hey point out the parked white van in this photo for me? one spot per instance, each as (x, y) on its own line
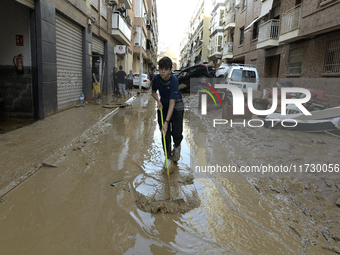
(242, 76)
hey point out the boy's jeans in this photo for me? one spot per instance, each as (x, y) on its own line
(121, 87)
(175, 128)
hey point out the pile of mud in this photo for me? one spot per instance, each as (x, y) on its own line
(151, 192)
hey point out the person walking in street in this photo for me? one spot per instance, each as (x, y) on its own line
(121, 81)
(130, 77)
(171, 104)
(95, 81)
(114, 81)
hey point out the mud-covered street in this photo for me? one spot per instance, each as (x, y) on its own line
(80, 194)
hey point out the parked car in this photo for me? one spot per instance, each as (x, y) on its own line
(145, 81)
(198, 71)
(222, 70)
(242, 76)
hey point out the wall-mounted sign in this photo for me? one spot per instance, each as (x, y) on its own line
(19, 40)
(121, 49)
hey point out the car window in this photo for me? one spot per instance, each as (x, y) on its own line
(211, 69)
(236, 74)
(249, 76)
(182, 74)
(136, 75)
(244, 75)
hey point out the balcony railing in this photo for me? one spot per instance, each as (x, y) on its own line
(228, 48)
(229, 18)
(269, 30)
(291, 19)
(119, 23)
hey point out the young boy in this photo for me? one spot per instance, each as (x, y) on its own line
(171, 104)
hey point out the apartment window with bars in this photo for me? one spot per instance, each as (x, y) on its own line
(241, 35)
(256, 28)
(295, 61)
(332, 61)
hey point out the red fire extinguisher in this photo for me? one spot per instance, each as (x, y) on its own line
(18, 63)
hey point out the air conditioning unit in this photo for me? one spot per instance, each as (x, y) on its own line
(113, 2)
(134, 30)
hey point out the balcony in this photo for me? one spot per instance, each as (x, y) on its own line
(269, 34)
(229, 21)
(290, 24)
(215, 52)
(120, 29)
(228, 50)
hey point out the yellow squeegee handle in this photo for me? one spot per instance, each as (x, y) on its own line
(166, 154)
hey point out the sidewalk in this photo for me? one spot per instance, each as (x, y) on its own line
(24, 150)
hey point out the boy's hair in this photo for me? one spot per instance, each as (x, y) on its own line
(120, 68)
(165, 62)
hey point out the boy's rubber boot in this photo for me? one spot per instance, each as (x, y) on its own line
(176, 153)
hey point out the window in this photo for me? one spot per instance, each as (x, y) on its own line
(244, 4)
(256, 28)
(219, 44)
(295, 61)
(332, 61)
(241, 35)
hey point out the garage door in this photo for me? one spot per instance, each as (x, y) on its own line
(69, 62)
(97, 45)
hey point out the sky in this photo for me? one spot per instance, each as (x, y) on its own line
(173, 19)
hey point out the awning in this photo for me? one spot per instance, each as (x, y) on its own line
(265, 9)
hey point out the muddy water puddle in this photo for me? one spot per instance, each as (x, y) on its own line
(73, 209)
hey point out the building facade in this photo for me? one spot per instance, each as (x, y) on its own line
(193, 46)
(282, 38)
(49, 47)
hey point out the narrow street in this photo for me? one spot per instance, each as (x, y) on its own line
(68, 205)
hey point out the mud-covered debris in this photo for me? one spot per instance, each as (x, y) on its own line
(48, 165)
(338, 202)
(115, 183)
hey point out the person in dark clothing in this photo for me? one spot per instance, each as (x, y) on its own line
(121, 81)
(114, 81)
(130, 77)
(171, 104)
(122, 11)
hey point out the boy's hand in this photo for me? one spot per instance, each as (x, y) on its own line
(159, 105)
(165, 127)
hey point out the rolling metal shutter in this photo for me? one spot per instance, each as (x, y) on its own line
(97, 45)
(69, 62)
